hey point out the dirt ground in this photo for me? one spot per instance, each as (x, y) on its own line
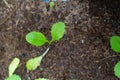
(82, 54)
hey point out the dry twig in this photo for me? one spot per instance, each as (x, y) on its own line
(6, 3)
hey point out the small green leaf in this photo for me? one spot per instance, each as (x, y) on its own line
(115, 43)
(33, 63)
(117, 70)
(51, 4)
(57, 31)
(36, 38)
(14, 77)
(13, 65)
(41, 79)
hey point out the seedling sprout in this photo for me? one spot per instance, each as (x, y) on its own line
(12, 67)
(51, 4)
(38, 39)
(115, 45)
(117, 69)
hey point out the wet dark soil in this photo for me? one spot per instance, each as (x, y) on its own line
(82, 54)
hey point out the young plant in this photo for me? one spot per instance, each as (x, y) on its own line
(38, 39)
(115, 45)
(11, 69)
(117, 69)
(51, 4)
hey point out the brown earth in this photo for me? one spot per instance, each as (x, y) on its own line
(82, 54)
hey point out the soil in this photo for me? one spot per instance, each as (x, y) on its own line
(82, 54)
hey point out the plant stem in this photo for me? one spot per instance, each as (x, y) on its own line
(50, 41)
(45, 52)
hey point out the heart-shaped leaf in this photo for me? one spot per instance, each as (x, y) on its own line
(117, 70)
(115, 43)
(14, 77)
(36, 38)
(57, 31)
(13, 65)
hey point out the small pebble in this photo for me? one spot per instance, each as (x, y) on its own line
(82, 41)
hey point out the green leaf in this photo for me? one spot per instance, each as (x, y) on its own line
(13, 65)
(36, 38)
(14, 77)
(41, 79)
(33, 63)
(51, 4)
(57, 31)
(117, 70)
(115, 43)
